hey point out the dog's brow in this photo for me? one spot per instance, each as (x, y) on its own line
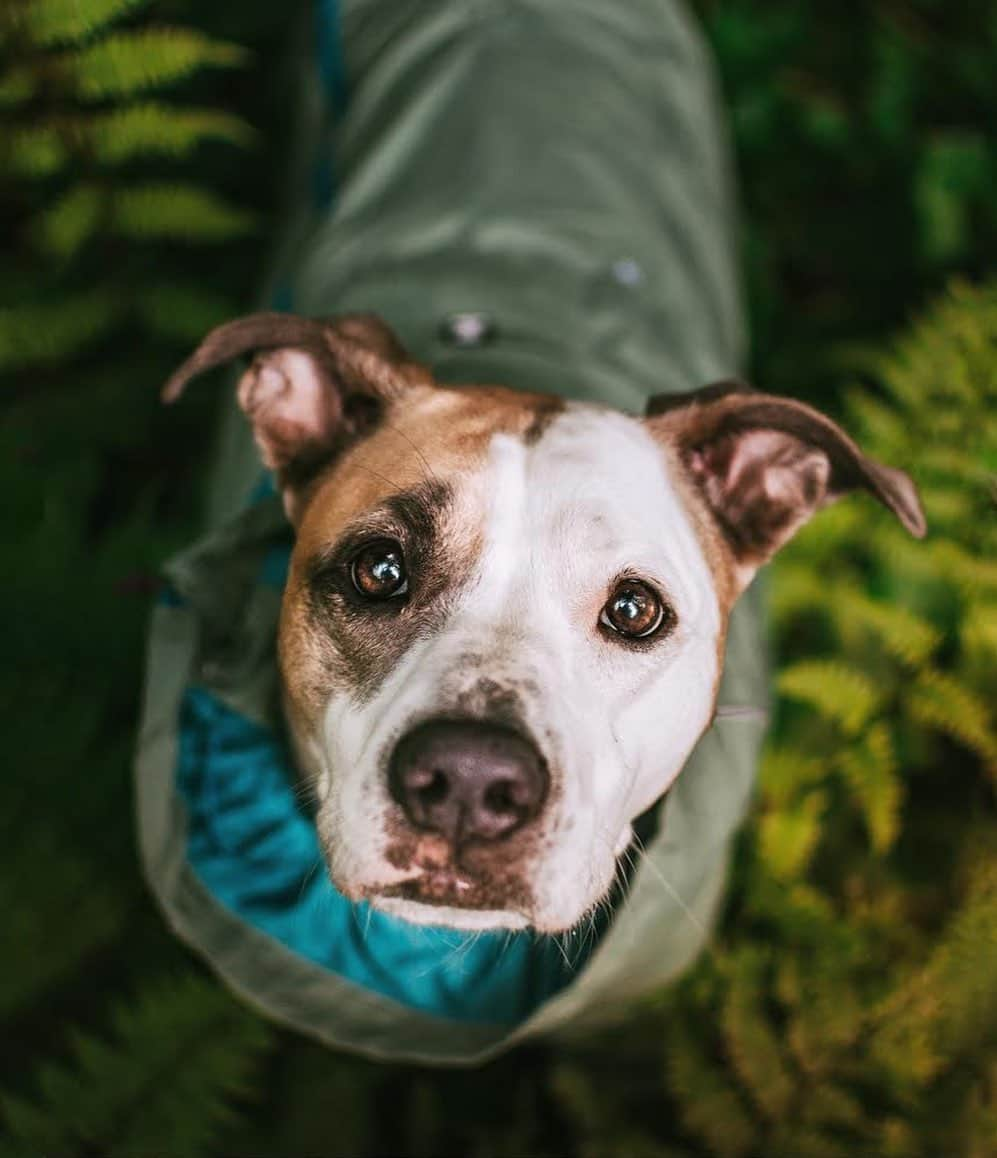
(416, 513)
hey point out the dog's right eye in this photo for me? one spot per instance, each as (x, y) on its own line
(378, 570)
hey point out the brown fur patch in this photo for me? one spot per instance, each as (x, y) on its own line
(424, 451)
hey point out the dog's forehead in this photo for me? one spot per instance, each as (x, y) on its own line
(600, 494)
(434, 434)
(536, 472)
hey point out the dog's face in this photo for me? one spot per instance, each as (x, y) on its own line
(503, 628)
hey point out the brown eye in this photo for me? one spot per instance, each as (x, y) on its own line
(378, 570)
(633, 610)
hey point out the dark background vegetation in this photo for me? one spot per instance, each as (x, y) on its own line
(864, 136)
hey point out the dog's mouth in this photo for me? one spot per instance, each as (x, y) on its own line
(445, 889)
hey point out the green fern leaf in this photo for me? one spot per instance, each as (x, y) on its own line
(36, 152)
(17, 87)
(64, 227)
(787, 770)
(796, 588)
(792, 1141)
(980, 1115)
(904, 634)
(941, 702)
(839, 692)
(751, 1041)
(183, 312)
(38, 335)
(788, 836)
(979, 635)
(64, 21)
(85, 907)
(832, 1105)
(951, 1004)
(127, 63)
(869, 766)
(120, 135)
(158, 130)
(116, 1100)
(710, 1108)
(176, 212)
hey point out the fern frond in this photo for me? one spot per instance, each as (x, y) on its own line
(882, 423)
(151, 129)
(788, 836)
(821, 541)
(904, 635)
(951, 1003)
(112, 138)
(939, 701)
(978, 635)
(36, 152)
(787, 770)
(710, 1108)
(832, 1105)
(46, 22)
(161, 1085)
(980, 1115)
(939, 560)
(869, 766)
(64, 227)
(796, 588)
(176, 212)
(754, 1049)
(181, 311)
(945, 506)
(127, 63)
(79, 901)
(839, 692)
(38, 335)
(17, 86)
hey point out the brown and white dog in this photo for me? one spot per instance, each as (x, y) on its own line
(504, 624)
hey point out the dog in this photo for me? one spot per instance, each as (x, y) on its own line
(504, 625)
(520, 652)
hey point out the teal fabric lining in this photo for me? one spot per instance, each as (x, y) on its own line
(254, 847)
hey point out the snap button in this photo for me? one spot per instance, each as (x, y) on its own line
(470, 328)
(627, 271)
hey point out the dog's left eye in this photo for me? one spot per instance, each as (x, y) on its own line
(378, 570)
(634, 610)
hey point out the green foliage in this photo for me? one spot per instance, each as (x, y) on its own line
(64, 21)
(892, 1036)
(177, 1042)
(72, 131)
(848, 1005)
(40, 333)
(97, 303)
(118, 136)
(126, 63)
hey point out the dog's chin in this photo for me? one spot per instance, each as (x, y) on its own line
(450, 917)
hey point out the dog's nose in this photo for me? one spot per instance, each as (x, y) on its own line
(467, 779)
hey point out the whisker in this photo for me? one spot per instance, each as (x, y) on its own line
(670, 888)
(430, 473)
(377, 474)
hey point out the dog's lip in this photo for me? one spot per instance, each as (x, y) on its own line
(445, 888)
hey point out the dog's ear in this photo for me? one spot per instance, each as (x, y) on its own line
(312, 387)
(765, 464)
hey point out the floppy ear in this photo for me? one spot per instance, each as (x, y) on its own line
(313, 386)
(765, 464)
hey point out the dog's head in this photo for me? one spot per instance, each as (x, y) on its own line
(504, 623)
